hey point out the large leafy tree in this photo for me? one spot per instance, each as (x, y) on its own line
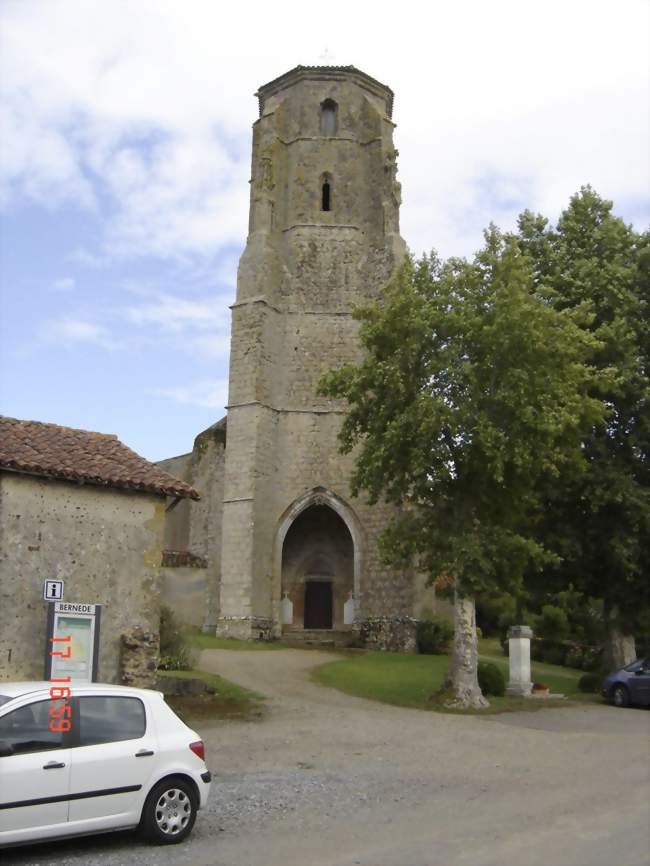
(600, 522)
(472, 389)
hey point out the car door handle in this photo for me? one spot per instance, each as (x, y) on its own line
(144, 753)
(53, 765)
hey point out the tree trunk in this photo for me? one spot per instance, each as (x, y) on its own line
(620, 648)
(462, 677)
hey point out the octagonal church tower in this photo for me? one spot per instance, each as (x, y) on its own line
(298, 553)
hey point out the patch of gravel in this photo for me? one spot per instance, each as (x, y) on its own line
(258, 798)
(237, 804)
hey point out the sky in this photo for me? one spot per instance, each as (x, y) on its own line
(125, 136)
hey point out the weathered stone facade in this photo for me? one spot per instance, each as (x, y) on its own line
(323, 237)
(105, 543)
(195, 526)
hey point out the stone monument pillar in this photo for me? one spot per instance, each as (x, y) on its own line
(520, 682)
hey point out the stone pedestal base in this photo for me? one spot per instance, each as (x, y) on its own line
(520, 690)
(520, 682)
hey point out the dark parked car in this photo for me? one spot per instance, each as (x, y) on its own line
(630, 685)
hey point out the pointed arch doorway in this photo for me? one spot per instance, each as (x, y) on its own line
(319, 559)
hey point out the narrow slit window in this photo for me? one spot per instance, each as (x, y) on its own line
(328, 111)
(325, 204)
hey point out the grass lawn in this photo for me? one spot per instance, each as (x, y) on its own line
(404, 679)
(211, 641)
(411, 680)
(225, 700)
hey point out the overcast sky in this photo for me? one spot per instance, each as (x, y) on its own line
(125, 159)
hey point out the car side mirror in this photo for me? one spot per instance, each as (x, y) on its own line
(5, 749)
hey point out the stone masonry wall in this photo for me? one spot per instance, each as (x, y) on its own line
(184, 590)
(197, 527)
(105, 543)
(139, 656)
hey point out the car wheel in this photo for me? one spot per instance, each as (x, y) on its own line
(169, 812)
(620, 696)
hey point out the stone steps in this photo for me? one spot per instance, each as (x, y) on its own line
(325, 637)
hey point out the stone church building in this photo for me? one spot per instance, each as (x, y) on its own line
(276, 544)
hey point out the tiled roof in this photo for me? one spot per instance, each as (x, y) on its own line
(82, 456)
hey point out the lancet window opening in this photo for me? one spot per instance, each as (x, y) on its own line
(328, 117)
(326, 193)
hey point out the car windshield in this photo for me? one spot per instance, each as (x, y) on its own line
(4, 699)
(635, 666)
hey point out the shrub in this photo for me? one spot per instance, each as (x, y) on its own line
(552, 623)
(536, 650)
(592, 659)
(495, 611)
(491, 680)
(176, 652)
(434, 635)
(553, 655)
(589, 683)
(181, 662)
(575, 658)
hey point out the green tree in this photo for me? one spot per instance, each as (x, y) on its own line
(599, 522)
(471, 389)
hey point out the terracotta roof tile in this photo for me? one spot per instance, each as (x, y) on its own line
(82, 456)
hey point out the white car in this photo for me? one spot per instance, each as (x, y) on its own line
(126, 760)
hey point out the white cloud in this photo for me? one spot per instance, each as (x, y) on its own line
(143, 110)
(64, 284)
(37, 161)
(69, 331)
(176, 314)
(207, 394)
(81, 256)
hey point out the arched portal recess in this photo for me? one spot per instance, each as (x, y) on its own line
(318, 568)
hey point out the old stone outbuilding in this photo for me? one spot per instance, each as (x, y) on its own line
(282, 546)
(82, 507)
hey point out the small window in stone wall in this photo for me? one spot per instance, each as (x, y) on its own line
(328, 118)
(326, 193)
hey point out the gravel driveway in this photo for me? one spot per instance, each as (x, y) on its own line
(330, 780)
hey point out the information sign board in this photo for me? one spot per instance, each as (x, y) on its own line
(72, 645)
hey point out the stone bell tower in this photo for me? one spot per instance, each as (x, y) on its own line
(297, 551)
